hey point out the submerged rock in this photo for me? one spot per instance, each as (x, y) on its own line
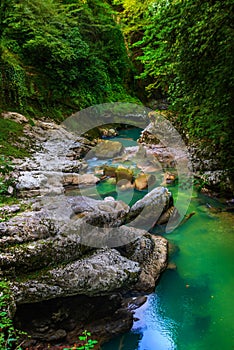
(125, 185)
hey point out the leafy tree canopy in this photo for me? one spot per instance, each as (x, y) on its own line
(187, 52)
(60, 54)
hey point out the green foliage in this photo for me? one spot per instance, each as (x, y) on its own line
(5, 179)
(132, 16)
(10, 143)
(187, 52)
(60, 55)
(86, 343)
(9, 336)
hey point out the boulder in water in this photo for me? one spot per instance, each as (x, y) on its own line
(125, 185)
(146, 212)
(109, 171)
(123, 173)
(100, 213)
(143, 181)
(107, 150)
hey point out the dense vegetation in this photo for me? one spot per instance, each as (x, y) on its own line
(185, 50)
(57, 56)
(60, 56)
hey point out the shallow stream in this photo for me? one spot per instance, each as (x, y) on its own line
(192, 306)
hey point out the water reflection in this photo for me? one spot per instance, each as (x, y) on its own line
(156, 329)
(192, 306)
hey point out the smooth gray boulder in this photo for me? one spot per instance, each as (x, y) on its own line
(100, 213)
(146, 212)
(106, 150)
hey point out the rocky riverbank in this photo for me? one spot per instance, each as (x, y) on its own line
(73, 262)
(207, 171)
(76, 262)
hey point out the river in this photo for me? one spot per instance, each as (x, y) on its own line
(192, 306)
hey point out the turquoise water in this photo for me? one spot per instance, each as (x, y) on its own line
(128, 137)
(192, 307)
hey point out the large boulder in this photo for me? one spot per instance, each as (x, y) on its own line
(144, 181)
(26, 227)
(107, 150)
(151, 253)
(100, 213)
(38, 254)
(51, 263)
(146, 212)
(102, 272)
(123, 173)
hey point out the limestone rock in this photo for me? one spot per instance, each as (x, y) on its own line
(154, 266)
(125, 185)
(26, 227)
(107, 150)
(146, 212)
(144, 181)
(123, 173)
(35, 255)
(169, 178)
(82, 180)
(171, 212)
(104, 316)
(109, 170)
(149, 135)
(16, 117)
(102, 272)
(151, 253)
(100, 213)
(108, 132)
(30, 180)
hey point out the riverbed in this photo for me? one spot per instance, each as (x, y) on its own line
(192, 306)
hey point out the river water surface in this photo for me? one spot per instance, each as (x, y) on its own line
(192, 306)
